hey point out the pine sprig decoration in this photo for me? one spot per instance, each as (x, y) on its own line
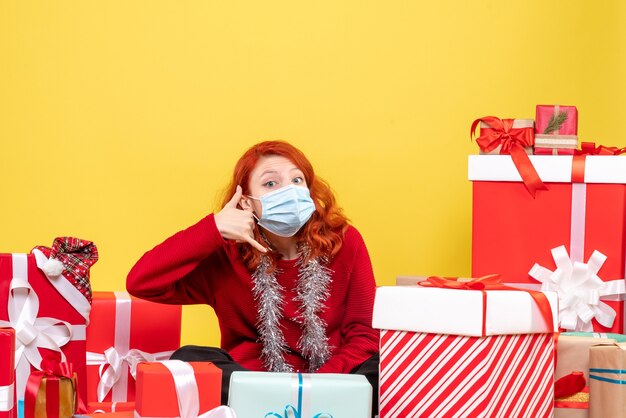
(555, 122)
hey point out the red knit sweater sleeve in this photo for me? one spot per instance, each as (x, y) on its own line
(359, 339)
(174, 271)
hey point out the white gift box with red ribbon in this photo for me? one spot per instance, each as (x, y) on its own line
(454, 352)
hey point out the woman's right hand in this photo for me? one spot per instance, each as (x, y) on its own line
(237, 224)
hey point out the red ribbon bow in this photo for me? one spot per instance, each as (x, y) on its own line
(492, 282)
(512, 142)
(589, 148)
(53, 372)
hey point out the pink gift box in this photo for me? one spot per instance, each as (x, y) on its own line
(545, 113)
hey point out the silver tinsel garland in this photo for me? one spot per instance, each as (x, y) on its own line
(312, 291)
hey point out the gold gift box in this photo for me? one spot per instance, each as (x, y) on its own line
(51, 387)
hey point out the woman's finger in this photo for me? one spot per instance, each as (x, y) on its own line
(255, 244)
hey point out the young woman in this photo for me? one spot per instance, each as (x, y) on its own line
(290, 280)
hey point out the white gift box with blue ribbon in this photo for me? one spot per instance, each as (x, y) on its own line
(299, 395)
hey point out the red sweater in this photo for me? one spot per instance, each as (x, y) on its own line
(197, 265)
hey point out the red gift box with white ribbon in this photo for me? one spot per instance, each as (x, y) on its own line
(49, 314)
(175, 388)
(123, 332)
(8, 403)
(570, 238)
(464, 351)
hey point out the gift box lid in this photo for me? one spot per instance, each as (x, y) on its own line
(459, 312)
(551, 168)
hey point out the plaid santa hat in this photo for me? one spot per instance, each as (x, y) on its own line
(72, 258)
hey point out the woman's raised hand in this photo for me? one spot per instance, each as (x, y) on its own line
(237, 224)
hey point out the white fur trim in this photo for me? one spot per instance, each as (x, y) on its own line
(53, 268)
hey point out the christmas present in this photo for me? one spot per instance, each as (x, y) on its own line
(164, 387)
(8, 405)
(573, 353)
(572, 357)
(510, 136)
(109, 407)
(607, 386)
(556, 125)
(123, 332)
(571, 238)
(493, 133)
(52, 392)
(264, 394)
(46, 297)
(466, 349)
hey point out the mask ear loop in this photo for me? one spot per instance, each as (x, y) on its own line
(265, 240)
(254, 214)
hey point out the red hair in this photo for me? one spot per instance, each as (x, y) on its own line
(323, 232)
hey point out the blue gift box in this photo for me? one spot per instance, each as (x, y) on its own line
(300, 395)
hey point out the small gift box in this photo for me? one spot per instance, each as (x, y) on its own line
(165, 386)
(500, 136)
(8, 404)
(555, 121)
(124, 331)
(52, 392)
(521, 130)
(472, 348)
(573, 352)
(573, 357)
(556, 130)
(263, 394)
(607, 385)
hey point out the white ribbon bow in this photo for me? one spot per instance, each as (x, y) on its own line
(111, 366)
(580, 290)
(31, 332)
(187, 393)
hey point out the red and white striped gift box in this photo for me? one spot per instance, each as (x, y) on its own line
(436, 375)
(464, 353)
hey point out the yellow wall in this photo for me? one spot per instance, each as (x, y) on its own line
(121, 120)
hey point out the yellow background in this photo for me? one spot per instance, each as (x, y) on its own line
(120, 121)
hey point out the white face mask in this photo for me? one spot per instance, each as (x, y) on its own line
(286, 210)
